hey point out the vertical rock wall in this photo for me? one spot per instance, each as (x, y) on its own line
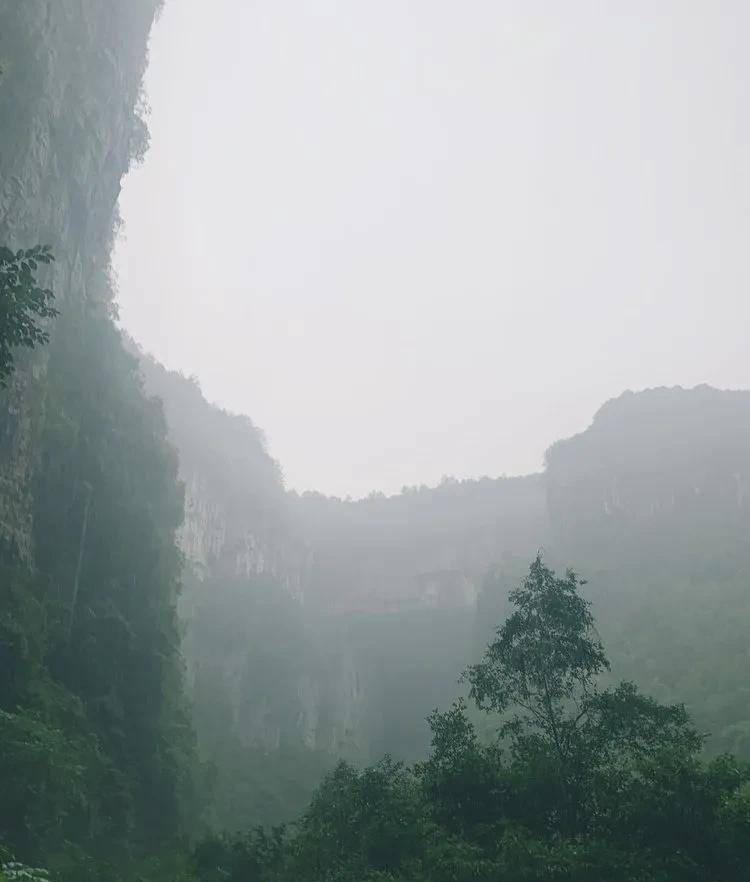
(70, 80)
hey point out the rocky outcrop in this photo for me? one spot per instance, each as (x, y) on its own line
(237, 519)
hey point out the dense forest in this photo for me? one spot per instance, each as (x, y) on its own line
(206, 677)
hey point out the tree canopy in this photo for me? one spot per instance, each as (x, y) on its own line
(580, 782)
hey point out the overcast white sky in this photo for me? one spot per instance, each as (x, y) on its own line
(412, 238)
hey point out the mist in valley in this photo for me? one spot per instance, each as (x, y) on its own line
(374, 442)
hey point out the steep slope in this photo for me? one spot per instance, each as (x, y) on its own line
(236, 514)
(70, 80)
(95, 733)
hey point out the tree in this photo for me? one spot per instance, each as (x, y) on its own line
(23, 304)
(544, 661)
(573, 739)
(582, 784)
(13, 871)
(358, 821)
(465, 782)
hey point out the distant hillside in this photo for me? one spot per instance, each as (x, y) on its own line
(665, 470)
(648, 503)
(424, 547)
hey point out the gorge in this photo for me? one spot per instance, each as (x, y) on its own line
(186, 644)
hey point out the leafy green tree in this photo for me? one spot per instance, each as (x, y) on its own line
(599, 782)
(582, 783)
(257, 856)
(44, 775)
(465, 782)
(359, 821)
(23, 304)
(12, 870)
(566, 734)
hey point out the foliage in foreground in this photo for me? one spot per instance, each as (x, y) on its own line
(23, 304)
(580, 784)
(12, 870)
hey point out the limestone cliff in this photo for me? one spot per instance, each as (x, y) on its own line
(89, 497)
(70, 80)
(655, 472)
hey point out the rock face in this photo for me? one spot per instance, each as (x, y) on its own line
(664, 466)
(344, 577)
(237, 522)
(388, 595)
(89, 498)
(70, 80)
(384, 586)
(426, 548)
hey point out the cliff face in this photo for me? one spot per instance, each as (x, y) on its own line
(89, 497)
(657, 480)
(237, 521)
(301, 613)
(663, 472)
(70, 78)
(269, 671)
(428, 548)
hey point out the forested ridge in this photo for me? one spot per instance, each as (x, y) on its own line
(205, 677)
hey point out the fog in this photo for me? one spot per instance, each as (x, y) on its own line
(421, 238)
(372, 246)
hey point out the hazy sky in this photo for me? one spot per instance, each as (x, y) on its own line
(412, 238)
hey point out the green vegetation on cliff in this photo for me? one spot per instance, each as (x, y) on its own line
(97, 744)
(315, 629)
